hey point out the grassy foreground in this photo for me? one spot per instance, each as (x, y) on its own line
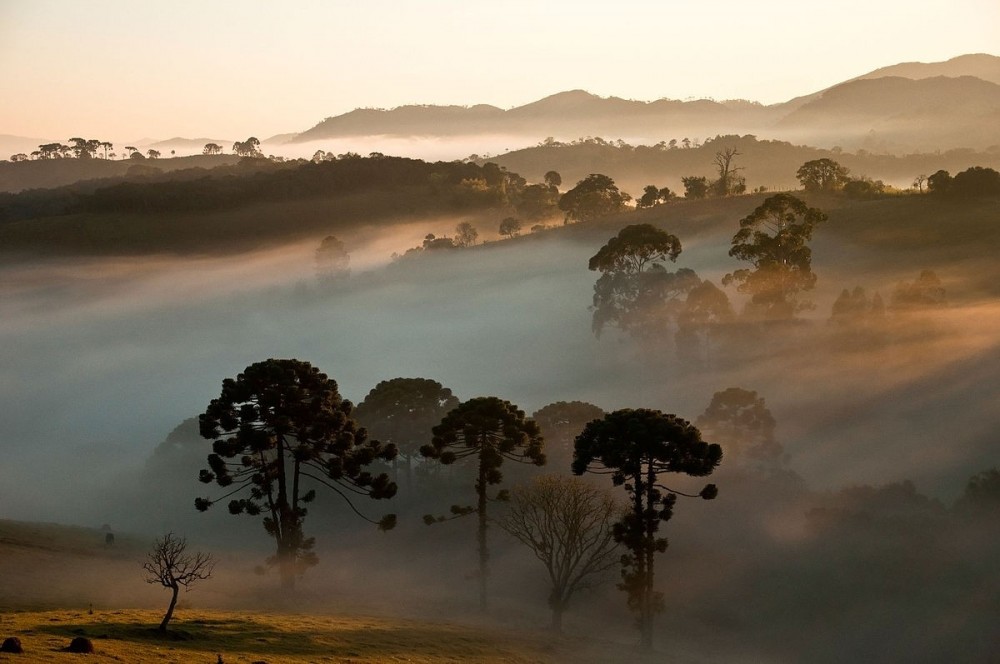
(201, 636)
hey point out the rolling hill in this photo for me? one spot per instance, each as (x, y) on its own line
(898, 108)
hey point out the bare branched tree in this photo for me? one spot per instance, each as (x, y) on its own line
(569, 525)
(170, 565)
(729, 181)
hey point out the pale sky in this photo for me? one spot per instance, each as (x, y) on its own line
(125, 69)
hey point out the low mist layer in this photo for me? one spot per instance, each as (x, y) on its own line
(103, 358)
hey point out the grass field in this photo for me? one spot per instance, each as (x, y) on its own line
(201, 636)
(56, 586)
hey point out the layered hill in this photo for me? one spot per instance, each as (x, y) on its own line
(901, 108)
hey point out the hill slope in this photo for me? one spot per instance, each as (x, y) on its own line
(828, 117)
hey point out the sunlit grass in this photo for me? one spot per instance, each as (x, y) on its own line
(201, 636)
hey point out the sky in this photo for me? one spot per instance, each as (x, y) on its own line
(125, 70)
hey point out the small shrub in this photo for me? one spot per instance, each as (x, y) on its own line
(12, 644)
(81, 644)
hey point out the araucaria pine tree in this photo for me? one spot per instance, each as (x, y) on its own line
(281, 429)
(490, 430)
(636, 447)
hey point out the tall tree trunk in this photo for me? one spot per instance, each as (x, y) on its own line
(170, 609)
(286, 566)
(484, 554)
(557, 616)
(649, 550)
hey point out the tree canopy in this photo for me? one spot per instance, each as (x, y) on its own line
(635, 291)
(594, 196)
(569, 526)
(742, 424)
(510, 227)
(822, 175)
(466, 234)
(333, 262)
(695, 186)
(280, 429)
(403, 411)
(560, 423)
(774, 240)
(970, 183)
(706, 312)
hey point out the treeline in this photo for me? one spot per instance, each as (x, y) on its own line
(461, 184)
(771, 163)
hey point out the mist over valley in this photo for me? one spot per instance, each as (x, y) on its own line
(751, 347)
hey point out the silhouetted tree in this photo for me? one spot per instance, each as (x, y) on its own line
(510, 227)
(695, 187)
(705, 311)
(822, 175)
(153, 154)
(982, 494)
(333, 262)
(107, 146)
(857, 318)
(863, 187)
(651, 196)
(635, 290)
(594, 196)
(53, 150)
(918, 182)
(84, 148)
(537, 201)
(773, 239)
(20, 156)
(924, 292)
(466, 234)
(939, 182)
(852, 307)
(553, 179)
(730, 182)
(277, 427)
(489, 430)
(170, 565)
(402, 411)
(560, 423)
(248, 148)
(636, 447)
(212, 148)
(976, 181)
(738, 420)
(569, 526)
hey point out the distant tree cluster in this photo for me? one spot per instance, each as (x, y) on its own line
(80, 148)
(281, 433)
(248, 148)
(233, 187)
(970, 183)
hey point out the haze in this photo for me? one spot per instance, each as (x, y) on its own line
(135, 280)
(233, 69)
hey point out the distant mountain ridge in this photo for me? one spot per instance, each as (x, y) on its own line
(908, 106)
(980, 65)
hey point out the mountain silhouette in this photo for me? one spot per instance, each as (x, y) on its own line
(907, 106)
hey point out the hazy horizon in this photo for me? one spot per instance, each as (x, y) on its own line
(236, 70)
